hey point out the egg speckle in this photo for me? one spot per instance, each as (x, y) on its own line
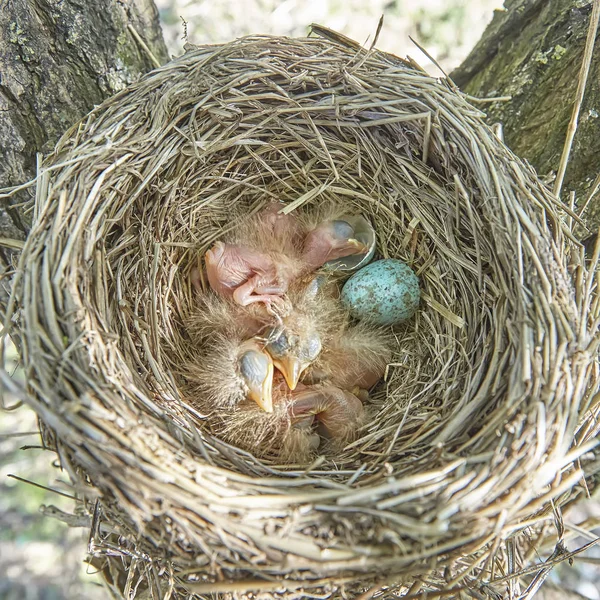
(385, 292)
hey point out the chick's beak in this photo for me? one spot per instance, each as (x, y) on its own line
(262, 391)
(292, 369)
(256, 371)
(358, 246)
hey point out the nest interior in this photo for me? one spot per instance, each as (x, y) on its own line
(488, 404)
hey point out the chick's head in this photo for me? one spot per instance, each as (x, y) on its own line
(293, 351)
(331, 240)
(232, 373)
(313, 317)
(255, 372)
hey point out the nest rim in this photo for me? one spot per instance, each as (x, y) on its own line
(549, 358)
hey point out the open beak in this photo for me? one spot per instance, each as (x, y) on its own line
(262, 393)
(292, 369)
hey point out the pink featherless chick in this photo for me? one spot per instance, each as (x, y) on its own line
(330, 240)
(272, 250)
(259, 261)
(246, 275)
(230, 364)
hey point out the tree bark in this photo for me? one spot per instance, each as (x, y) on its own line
(532, 51)
(58, 59)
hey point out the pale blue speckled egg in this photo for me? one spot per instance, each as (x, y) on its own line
(385, 292)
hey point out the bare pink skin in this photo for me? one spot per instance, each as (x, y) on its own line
(347, 381)
(283, 226)
(339, 412)
(322, 245)
(196, 280)
(249, 275)
(366, 380)
(245, 274)
(282, 393)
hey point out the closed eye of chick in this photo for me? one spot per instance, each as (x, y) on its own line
(331, 240)
(232, 371)
(331, 235)
(312, 318)
(292, 354)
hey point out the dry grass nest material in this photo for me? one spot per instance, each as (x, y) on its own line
(488, 411)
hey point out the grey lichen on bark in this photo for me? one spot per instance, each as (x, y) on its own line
(58, 59)
(532, 51)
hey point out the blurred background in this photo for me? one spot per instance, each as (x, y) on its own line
(448, 29)
(41, 558)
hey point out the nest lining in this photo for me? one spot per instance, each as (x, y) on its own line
(489, 400)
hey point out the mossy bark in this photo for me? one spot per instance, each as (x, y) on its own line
(57, 61)
(532, 51)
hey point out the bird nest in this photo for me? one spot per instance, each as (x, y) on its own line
(484, 423)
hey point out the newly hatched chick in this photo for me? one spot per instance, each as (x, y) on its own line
(330, 236)
(258, 261)
(339, 413)
(233, 383)
(233, 366)
(276, 435)
(330, 240)
(289, 432)
(271, 250)
(301, 340)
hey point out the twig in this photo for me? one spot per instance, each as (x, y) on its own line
(593, 191)
(435, 62)
(143, 45)
(43, 487)
(583, 75)
(12, 243)
(18, 434)
(489, 99)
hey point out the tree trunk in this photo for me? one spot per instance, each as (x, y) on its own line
(532, 51)
(58, 60)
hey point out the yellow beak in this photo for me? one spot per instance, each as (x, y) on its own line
(263, 394)
(362, 248)
(292, 369)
